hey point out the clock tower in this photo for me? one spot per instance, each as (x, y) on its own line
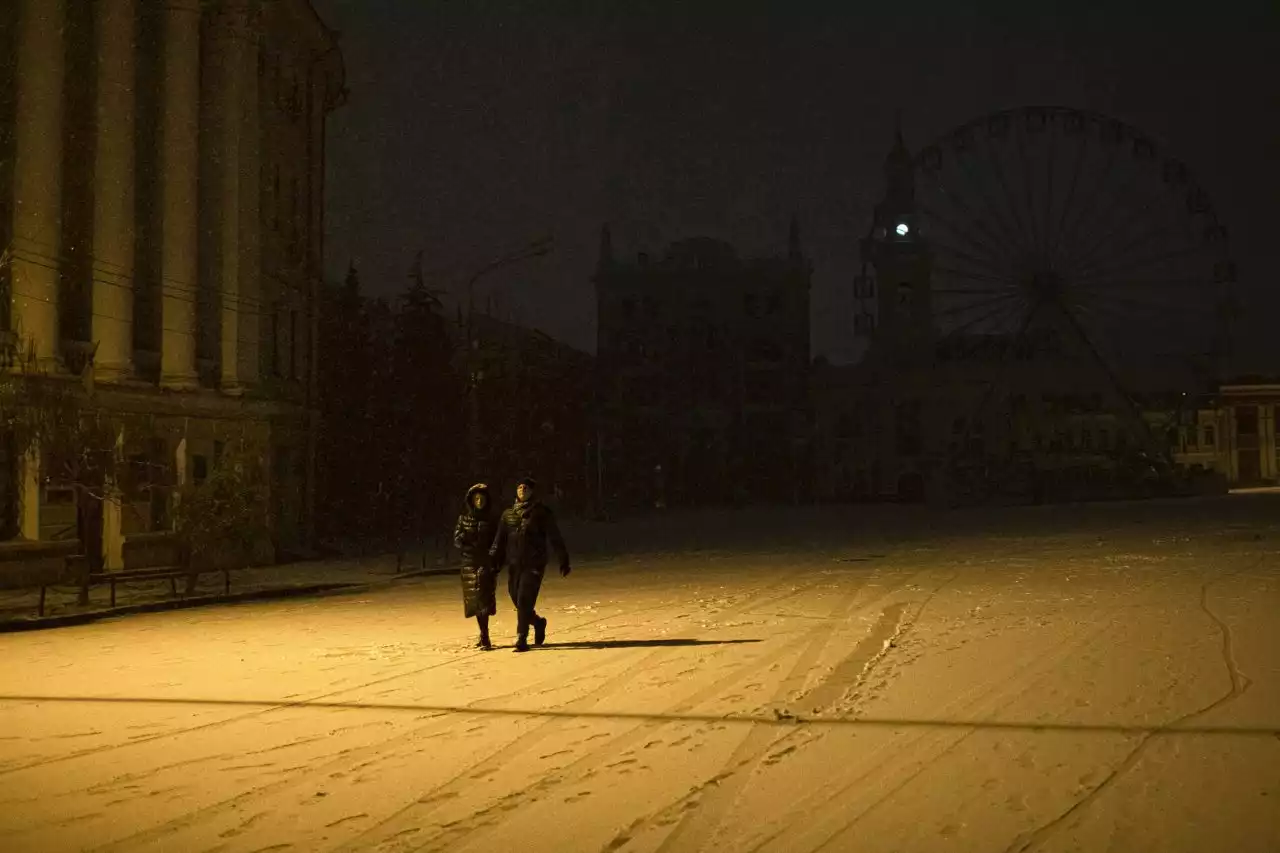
(899, 255)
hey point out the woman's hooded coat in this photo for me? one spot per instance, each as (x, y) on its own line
(473, 536)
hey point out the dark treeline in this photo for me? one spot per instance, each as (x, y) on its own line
(401, 436)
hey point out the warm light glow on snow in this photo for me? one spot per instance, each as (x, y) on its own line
(907, 681)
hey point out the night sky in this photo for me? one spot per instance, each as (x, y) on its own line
(474, 127)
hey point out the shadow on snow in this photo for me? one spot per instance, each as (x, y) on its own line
(641, 644)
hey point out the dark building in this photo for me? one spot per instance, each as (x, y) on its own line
(1012, 376)
(702, 391)
(528, 410)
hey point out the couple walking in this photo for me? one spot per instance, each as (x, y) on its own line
(518, 540)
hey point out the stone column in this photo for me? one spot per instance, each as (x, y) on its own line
(29, 494)
(37, 175)
(1225, 442)
(113, 516)
(1267, 441)
(114, 177)
(226, 31)
(250, 275)
(179, 165)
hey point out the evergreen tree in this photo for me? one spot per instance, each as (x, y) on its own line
(428, 411)
(345, 481)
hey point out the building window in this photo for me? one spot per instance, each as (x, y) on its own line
(8, 487)
(275, 342)
(775, 301)
(763, 349)
(1210, 439)
(904, 295)
(294, 230)
(199, 468)
(275, 197)
(280, 466)
(907, 428)
(293, 344)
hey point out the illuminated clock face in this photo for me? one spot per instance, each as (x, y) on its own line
(901, 229)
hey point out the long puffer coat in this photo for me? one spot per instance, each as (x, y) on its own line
(473, 536)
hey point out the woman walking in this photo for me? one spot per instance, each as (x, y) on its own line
(473, 536)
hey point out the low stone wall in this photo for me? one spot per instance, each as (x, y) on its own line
(29, 564)
(150, 550)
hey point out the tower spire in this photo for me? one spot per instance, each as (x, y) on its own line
(606, 247)
(352, 282)
(898, 168)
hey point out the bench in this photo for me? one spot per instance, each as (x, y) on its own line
(26, 565)
(170, 573)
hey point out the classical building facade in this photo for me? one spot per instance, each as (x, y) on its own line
(161, 221)
(703, 368)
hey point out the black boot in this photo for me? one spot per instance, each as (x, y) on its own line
(539, 630)
(483, 642)
(522, 643)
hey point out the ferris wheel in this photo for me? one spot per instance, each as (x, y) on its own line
(1048, 226)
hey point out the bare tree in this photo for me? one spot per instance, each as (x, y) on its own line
(221, 521)
(55, 421)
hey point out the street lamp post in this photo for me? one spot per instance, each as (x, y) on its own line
(475, 371)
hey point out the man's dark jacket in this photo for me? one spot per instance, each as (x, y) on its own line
(525, 531)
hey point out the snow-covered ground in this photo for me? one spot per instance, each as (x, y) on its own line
(1094, 679)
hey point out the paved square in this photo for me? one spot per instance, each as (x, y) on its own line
(1091, 678)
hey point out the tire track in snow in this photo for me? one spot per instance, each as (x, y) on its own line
(696, 827)
(596, 759)
(769, 594)
(1239, 683)
(978, 699)
(328, 695)
(369, 754)
(590, 762)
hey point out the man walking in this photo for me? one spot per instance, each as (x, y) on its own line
(524, 532)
